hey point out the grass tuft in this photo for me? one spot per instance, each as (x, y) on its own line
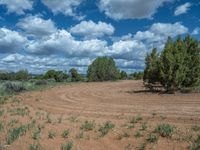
(104, 129)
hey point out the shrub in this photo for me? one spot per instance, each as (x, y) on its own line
(51, 134)
(75, 76)
(1, 126)
(88, 125)
(152, 138)
(103, 69)
(41, 82)
(65, 133)
(165, 130)
(15, 133)
(137, 134)
(14, 86)
(195, 128)
(136, 119)
(67, 146)
(34, 147)
(36, 134)
(104, 129)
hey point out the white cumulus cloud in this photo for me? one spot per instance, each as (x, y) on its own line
(182, 9)
(17, 6)
(130, 9)
(91, 29)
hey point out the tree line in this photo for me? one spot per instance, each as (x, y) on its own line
(101, 69)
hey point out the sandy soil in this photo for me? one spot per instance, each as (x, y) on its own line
(109, 101)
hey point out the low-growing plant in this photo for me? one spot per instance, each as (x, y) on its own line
(51, 134)
(35, 147)
(15, 133)
(104, 129)
(67, 146)
(19, 111)
(142, 146)
(14, 86)
(1, 126)
(195, 128)
(165, 130)
(144, 126)
(49, 119)
(73, 119)
(13, 122)
(128, 147)
(36, 134)
(65, 133)
(136, 119)
(137, 134)
(196, 144)
(4, 100)
(60, 119)
(88, 125)
(80, 135)
(152, 138)
(1, 112)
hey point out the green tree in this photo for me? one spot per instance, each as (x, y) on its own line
(151, 71)
(75, 75)
(123, 75)
(103, 69)
(22, 75)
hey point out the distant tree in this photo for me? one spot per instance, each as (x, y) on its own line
(137, 75)
(75, 76)
(59, 76)
(22, 75)
(123, 75)
(103, 69)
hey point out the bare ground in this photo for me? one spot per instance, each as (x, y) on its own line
(70, 105)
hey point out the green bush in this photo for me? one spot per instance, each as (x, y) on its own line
(67, 146)
(88, 125)
(104, 129)
(65, 133)
(14, 86)
(165, 130)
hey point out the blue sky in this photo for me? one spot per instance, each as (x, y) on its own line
(39, 35)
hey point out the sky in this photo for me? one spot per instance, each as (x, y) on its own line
(39, 35)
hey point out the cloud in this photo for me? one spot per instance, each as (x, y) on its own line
(17, 6)
(130, 9)
(182, 9)
(38, 64)
(66, 7)
(196, 31)
(62, 42)
(11, 41)
(90, 29)
(35, 26)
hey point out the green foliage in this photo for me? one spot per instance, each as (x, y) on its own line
(138, 134)
(19, 111)
(195, 128)
(136, 119)
(36, 134)
(103, 69)
(51, 134)
(14, 86)
(136, 75)
(176, 67)
(65, 133)
(88, 125)
(106, 127)
(1, 126)
(196, 144)
(75, 76)
(165, 130)
(58, 76)
(35, 147)
(22, 75)
(15, 133)
(67, 146)
(123, 75)
(152, 138)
